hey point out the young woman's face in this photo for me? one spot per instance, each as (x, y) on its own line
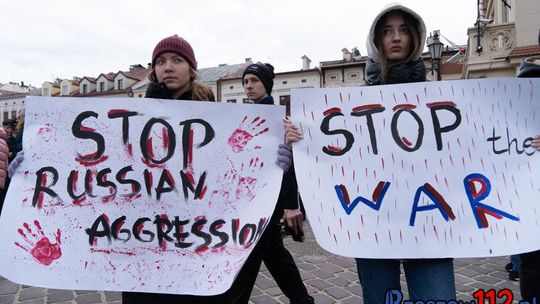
(396, 38)
(174, 71)
(254, 88)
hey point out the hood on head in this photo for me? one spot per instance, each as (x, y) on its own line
(372, 50)
(529, 68)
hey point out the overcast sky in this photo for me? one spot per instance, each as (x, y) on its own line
(43, 40)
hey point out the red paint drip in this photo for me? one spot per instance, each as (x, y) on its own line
(86, 129)
(334, 148)
(366, 107)
(440, 103)
(165, 138)
(332, 110)
(150, 164)
(403, 106)
(406, 141)
(88, 163)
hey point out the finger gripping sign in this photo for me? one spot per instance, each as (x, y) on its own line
(421, 170)
(139, 194)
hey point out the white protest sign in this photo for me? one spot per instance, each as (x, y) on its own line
(439, 169)
(139, 194)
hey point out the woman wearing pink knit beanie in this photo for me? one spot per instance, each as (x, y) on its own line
(174, 72)
(174, 76)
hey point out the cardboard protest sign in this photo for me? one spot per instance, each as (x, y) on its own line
(440, 169)
(139, 194)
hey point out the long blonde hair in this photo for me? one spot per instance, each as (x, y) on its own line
(199, 90)
(414, 44)
(20, 122)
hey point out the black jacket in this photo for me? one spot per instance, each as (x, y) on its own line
(288, 195)
(160, 91)
(529, 69)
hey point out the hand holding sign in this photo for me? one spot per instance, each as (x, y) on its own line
(292, 133)
(536, 142)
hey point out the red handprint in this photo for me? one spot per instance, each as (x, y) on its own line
(43, 251)
(240, 185)
(246, 184)
(241, 136)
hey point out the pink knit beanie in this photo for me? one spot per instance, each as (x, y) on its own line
(178, 45)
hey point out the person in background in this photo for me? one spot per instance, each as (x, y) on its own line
(9, 141)
(4, 152)
(513, 268)
(257, 80)
(9, 127)
(19, 130)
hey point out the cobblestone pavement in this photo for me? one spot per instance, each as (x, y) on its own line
(329, 279)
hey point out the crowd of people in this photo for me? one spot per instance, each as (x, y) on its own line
(395, 42)
(12, 133)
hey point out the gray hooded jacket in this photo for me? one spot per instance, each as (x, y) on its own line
(399, 72)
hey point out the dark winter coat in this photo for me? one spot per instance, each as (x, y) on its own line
(288, 195)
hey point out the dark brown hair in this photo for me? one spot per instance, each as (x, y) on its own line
(414, 43)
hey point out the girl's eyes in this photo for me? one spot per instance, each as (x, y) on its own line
(162, 61)
(402, 30)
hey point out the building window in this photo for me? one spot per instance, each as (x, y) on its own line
(14, 114)
(120, 84)
(285, 100)
(231, 87)
(304, 80)
(231, 100)
(246, 100)
(65, 90)
(6, 115)
(84, 88)
(139, 95)
(284, 81)
(102, 86)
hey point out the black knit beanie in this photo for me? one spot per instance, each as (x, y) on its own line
(265, 72)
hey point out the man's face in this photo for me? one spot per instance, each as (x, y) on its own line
(8, 129)
(254, 87)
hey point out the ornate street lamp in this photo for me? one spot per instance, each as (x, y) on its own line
(435, 47)
(481, 22)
